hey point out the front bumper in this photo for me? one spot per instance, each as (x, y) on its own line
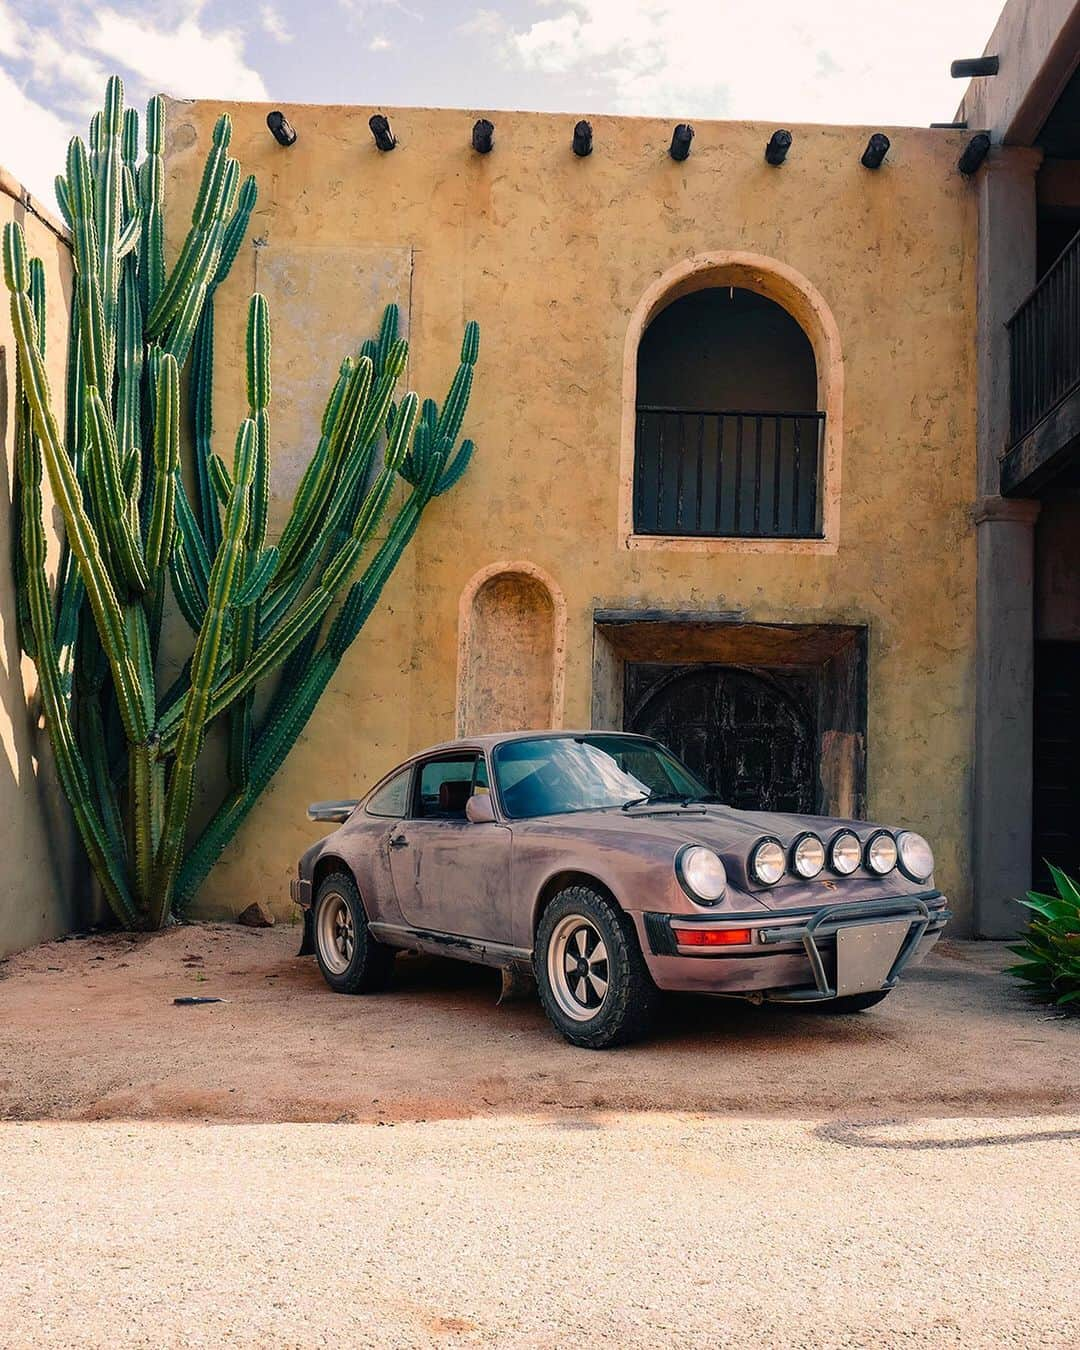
(792, 957)
(300, 892)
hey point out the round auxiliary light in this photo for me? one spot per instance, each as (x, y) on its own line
(767, 862)
(702, 874)
(845, 853)
(808, 856)
(881, 853)
(916, 856)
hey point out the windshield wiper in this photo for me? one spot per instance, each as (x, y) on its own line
(647, 798)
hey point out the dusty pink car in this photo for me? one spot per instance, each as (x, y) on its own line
(599, 863)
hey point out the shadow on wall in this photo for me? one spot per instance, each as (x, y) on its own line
(512, 640)
(38, 902)
(46, 884)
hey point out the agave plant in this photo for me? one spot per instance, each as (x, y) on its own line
(136, 540)
(1050, 953)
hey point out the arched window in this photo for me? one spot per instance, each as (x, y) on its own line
(729, 433)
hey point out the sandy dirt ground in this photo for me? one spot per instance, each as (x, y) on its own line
(748, 1178)
(88, 1030)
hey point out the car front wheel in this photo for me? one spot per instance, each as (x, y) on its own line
(592, 978)
(351, 960)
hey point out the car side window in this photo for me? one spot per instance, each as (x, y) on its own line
(445, 786)
(392, 799)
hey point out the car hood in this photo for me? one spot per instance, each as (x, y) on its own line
(730, 832)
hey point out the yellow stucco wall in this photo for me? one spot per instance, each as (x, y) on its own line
(44, 878)
(552, 254)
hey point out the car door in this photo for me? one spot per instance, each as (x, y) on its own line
(451, 875)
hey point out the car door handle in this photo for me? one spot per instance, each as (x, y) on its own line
(398, 841)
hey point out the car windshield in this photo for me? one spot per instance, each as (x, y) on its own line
(553, 775)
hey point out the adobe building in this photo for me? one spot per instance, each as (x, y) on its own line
(725, 412)
(776, 461)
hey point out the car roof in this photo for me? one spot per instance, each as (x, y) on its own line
(493, 738)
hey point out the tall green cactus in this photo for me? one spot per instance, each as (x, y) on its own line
(127, 753)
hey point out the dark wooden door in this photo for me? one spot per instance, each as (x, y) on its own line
(1056, 798)
(749, 734)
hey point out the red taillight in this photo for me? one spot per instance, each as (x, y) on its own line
(712, 937)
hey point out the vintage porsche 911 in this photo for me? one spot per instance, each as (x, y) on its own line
(599, 862)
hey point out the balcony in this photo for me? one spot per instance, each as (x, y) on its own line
(727, 474)
(1044, 371)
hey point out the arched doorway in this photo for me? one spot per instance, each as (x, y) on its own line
(749, 734)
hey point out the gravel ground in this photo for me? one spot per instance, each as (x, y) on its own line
(584, 1229)
(88, 1030)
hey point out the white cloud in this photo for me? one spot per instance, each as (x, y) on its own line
(273, 25)
(827, 62)
(485, 23)
(36, 155)
(77, 81)
(52, 76)
(379, 44)
(186, 61)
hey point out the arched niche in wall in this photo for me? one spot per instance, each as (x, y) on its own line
(511, 649)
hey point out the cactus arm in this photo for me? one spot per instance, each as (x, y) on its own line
(237, 228)
(159, 536)
(202, 424)
(210, 205)
(257, 578)
(69, 586)
(183, 330)
(246, 626)
(101, 847)
(129, 363)
(204, 664)
(63, 199)
(189, 598)
(190, 538)
(108, 198)
(152, 201)
(112, 501)
(340, 420)
(66, 487)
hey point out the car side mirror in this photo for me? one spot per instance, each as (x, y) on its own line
(479, 809)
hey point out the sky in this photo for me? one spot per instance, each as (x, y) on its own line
(784, 61)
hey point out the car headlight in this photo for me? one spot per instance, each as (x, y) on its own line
(916, 856)
(845, 853)
(767, 862)
(881, 853)
(701, 873)
(808, 856)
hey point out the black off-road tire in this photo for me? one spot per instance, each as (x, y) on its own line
(370, 964)
(626, 1011)
(850, 1003)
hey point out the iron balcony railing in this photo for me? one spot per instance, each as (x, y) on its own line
(727, 473)
(1044, 344)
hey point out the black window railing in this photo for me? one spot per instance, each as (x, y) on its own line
(1044, 344)
(751, 475)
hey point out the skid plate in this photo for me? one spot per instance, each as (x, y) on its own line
(866, 954)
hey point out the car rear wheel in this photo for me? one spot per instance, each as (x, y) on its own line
(351, 960)
(592, 978)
